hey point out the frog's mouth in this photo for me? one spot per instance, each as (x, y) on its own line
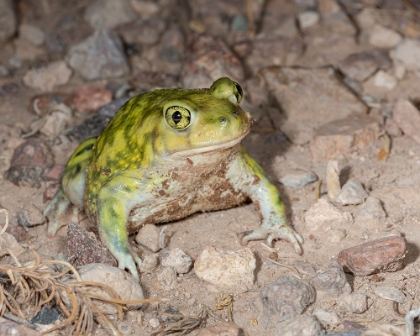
(211, 148)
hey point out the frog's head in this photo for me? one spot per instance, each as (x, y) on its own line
(201, 120)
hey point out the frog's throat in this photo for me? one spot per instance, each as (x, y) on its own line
(210, 148)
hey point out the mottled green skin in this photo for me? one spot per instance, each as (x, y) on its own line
(142, 166)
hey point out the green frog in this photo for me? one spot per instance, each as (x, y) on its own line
(165, 155)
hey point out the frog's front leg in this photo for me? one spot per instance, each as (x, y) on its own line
(115, 201)
(247, 176)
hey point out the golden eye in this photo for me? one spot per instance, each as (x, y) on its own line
(178, 117)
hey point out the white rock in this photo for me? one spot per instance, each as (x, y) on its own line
(31, 34)
(408, 52)
(46, 78)
(352, 193)
(371, 209)
(177, 259)
(330, 318)
(154, 322)
(227, 269)
(382, 37)
(308, 19)
(336, 235)
(148, 236)
(121, 282)
(298, 178)
(390, 293)
(323, 213)
(384, 80)
(301, 325)
(353, 303)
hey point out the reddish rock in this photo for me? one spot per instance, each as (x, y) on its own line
(340, 138)
(222, 329)
(55, 173)
(91, 98)
(83, 248)
(407, 117)
(381, 255)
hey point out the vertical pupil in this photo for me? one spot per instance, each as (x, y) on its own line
(176, 117)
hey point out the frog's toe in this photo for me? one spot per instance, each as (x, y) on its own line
(127, 262)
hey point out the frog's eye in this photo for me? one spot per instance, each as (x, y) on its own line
(178, 117)
(239, 92)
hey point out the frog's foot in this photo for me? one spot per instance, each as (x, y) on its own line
(284, 232)
(57, 211)
(128, 261)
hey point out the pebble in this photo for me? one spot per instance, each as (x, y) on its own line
(336, 235)
(32, 34)
(384, 80)
(177, 259)
(151, 30)
(332, 281)
(9, 242)
(300, 91)
(359, 66)
(126, 287)
(8, 20)
(381, 255)
(298, 178)
(333, 179)
(149, 264)
(408, 52)
(125, 328)
(84, 248)
(331, 319)
(47, 315)
(340, 138)
(167, 278)
(30, 161)
(371, 209)
(407, 118)
(222, 329)
(390, 293)
(91, 98)
(148, 236)
(352, 193)
(381, 37)
(25, 50)
(56, 122)
(301, 325)
(109, 13)
(8, 327)
(154, 322)
(46, 78)
(308, 19)
(30, 216)
(145, 8)
(286, 298)
(356, 303)
(323, 214)
(99, 56)
(233, 270)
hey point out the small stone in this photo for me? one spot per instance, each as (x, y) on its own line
(167, 278)
(340, 138)
(331, 319)
(407, 117)
(8, 20)
(298, 178)
(109, 13)
(177, 259)
(148, 236)
(8, 327)
(381, 255)
(29, 163)
(56, 122)
(227, 269)
(90, 98)
(323, 214)
(84, 248)
(371, 209)
(9, 242)
(30, 216)
(286, 298)
(125, 285)
(353, 303)
(55, 173)
(332, 281)
(151, 31)
(302, 325)
(359, 66)
(381, 37)
(352, 193)
(222, 329)
(125, 328)
(399, 70)
(308, 19)
(390, 293)
(383, 80)
(333, 179)
(145, 8)
(154, 322)
(46, 78)
(408, 52)
(149, 264)
(47, 315)
(31, 34)
(336, 235)
(99, 56)
(25, 50)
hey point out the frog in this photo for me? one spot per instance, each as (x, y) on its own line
(165, 155)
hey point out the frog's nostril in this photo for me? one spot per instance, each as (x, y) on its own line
(236, 112)
(222, 120)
